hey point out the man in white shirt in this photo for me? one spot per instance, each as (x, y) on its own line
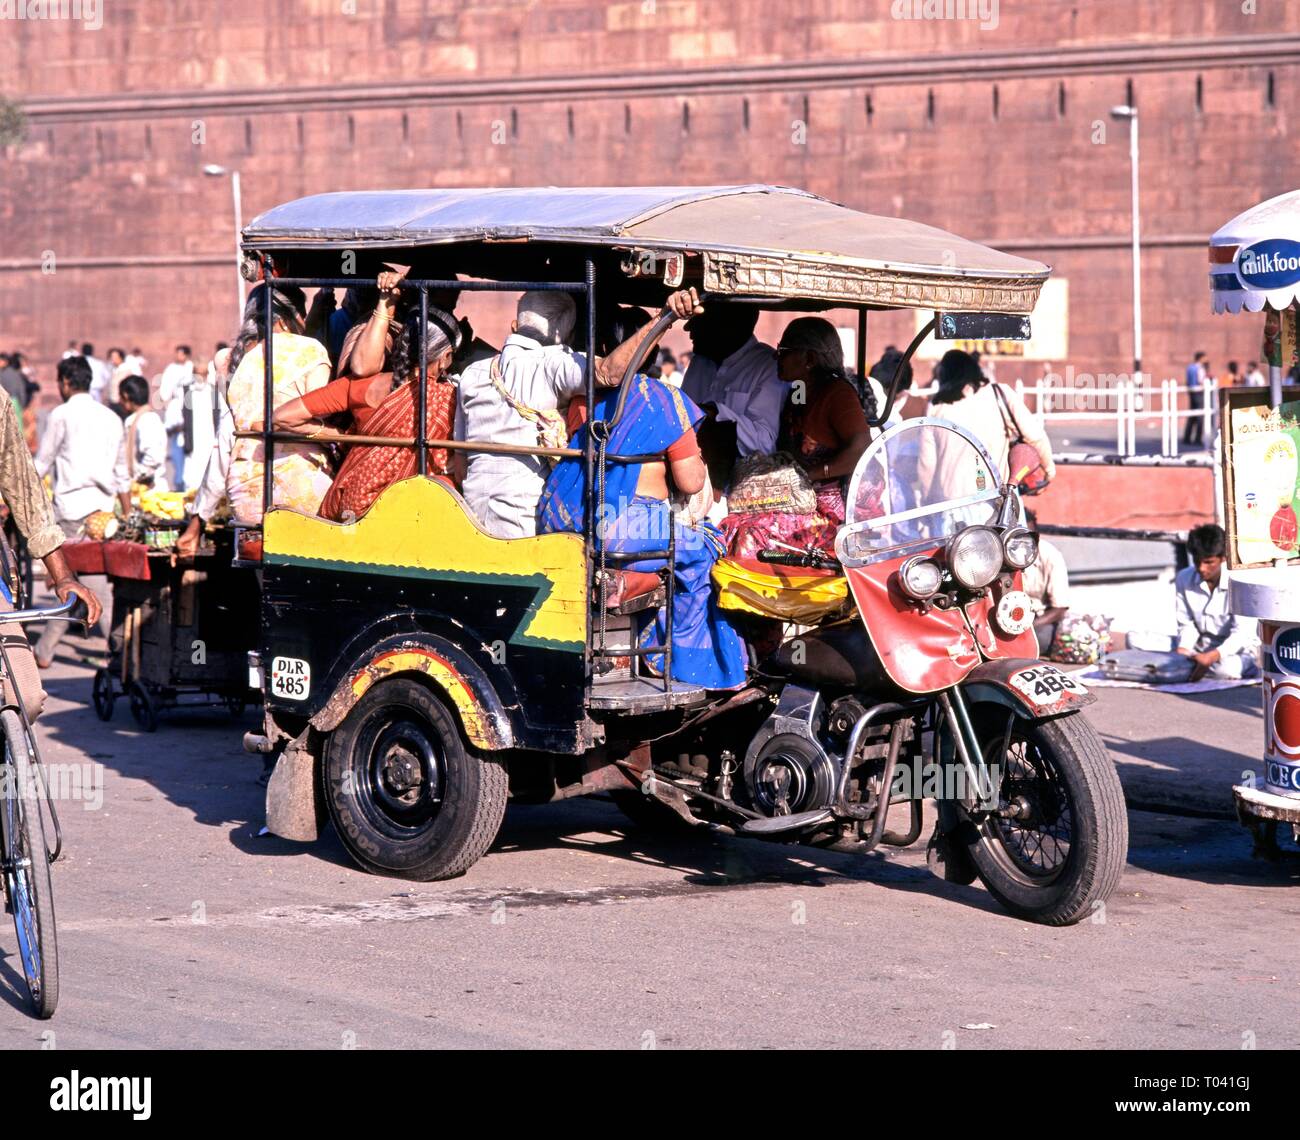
(1254, 377)
(1222, 644)
(536, 373)
(79, 450)
(173, 391)
(1047, 582)
(101, 375)
(733, 378)
(143, 455)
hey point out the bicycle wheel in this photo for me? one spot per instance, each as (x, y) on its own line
(27, 869)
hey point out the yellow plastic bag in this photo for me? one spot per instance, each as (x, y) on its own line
(780, 592)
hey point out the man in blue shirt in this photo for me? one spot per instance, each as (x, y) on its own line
(1197, 371)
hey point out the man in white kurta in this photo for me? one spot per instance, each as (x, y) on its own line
(143, 455)
(733, 378)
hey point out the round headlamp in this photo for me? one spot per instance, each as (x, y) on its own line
(975, 556)
(920, 578)
(1020, 547)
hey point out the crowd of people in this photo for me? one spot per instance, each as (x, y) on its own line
(741, 414)
(752, 443)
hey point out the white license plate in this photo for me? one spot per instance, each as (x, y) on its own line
(1046, 684)
(290, 678)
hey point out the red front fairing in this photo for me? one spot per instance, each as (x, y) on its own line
(934, 650)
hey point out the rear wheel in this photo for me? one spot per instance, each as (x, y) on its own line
(1056, 848)
(406, 795)
(28, 884)
(102, 694)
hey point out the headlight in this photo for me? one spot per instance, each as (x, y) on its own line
(975, 557)
(1020, 547)
(920, 578)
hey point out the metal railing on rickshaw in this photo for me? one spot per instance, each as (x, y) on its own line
(593, 454)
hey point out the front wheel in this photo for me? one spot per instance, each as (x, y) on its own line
(28, 886)
(406, 795)
(1056, 847)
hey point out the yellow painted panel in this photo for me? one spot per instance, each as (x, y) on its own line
(420, 528)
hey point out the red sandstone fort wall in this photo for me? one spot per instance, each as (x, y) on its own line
(991, 133)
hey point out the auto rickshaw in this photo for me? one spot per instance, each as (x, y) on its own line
(418, 672)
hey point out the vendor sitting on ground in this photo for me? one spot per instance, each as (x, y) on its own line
(1223, 645)
(1047, 582)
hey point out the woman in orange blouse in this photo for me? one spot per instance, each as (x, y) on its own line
(385, 405)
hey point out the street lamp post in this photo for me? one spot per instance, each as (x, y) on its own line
(1130, 113)
(214, 171)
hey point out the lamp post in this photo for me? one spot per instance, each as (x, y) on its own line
(1130, 113)
(214, 171)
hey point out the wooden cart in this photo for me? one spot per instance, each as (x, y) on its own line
(180, 634)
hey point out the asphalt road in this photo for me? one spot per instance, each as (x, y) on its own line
(179, 926)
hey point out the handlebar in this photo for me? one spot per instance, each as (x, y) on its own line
(811, 559)
(74, 610)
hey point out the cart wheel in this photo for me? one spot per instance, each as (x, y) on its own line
(236, 704)
(102, 694)
(143, 707)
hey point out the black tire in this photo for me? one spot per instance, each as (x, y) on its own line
(28, 883)
(102, 695)
(407, 796)
(143, 707)
(1063, 860)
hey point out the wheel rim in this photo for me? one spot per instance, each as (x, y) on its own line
(20, 895)
(1033, 834)
(405, 774)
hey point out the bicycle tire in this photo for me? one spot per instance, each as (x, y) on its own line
(28, 882)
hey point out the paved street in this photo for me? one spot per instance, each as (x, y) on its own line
(180, 927)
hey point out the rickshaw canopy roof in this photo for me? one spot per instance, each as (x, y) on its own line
(1255, 258)
(765, 241)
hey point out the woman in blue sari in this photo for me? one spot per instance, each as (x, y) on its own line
(659, 420)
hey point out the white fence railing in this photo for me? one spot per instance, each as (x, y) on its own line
(1124, 403)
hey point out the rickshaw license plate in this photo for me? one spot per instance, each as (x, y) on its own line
(290, 678)
(1046, 684)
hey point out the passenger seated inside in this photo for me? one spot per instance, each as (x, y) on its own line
(367, 349)
(823, 429)
(657, 419)
(733, 378)
(299, 365)
(385, 405)
(518, 396)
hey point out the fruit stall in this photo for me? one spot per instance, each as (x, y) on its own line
(181, 628)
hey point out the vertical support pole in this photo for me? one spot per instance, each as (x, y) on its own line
(1164, 417)
(668, 602)
(589, 456)
(422, 394)
(1175, 437)
(1133, 420)
(862, 352)
(1211, 403)
(268, 390)
(1216, 450)
(1119, 417)
(1137, 246)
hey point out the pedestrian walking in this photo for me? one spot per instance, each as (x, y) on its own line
(79, 451)
(1196, 376)
(173, 390)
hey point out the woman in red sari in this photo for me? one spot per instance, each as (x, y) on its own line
(386, 405)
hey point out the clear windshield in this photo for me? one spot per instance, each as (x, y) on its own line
(921, 481)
